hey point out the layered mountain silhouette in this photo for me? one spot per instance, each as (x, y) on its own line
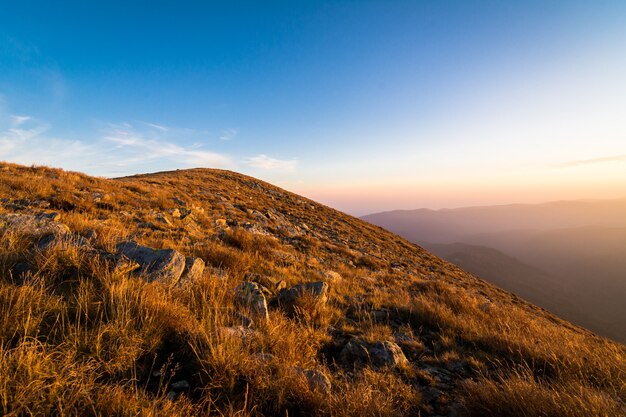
(207, 292)
(567, 256)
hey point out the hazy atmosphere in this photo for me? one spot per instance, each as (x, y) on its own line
(365, 106)
(313, 208)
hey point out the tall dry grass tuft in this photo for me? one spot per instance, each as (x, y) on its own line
(521, 393)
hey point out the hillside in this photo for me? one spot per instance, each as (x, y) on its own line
(206, 292)
(579, 247)
(455, 225)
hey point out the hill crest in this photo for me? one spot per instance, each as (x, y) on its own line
(300, 309)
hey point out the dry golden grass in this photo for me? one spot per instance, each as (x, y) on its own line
(78, 337)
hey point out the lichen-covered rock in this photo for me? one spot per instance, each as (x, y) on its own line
(162, 265)
(315, 291)
(250, 295)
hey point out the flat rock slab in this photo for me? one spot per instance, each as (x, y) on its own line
(33, 225)
(162, 265)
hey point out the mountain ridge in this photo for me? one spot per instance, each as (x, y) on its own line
(300, 309)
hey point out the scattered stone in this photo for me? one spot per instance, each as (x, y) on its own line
(250, 295)
(163, 265)
(402, 337)
(162, 218)
(379, 354)
(194, 267)
(237, 332)
(269, 283)
(69, 239)
(387, 354)
(243, 320)
(175, 213)
(180, 385)
(355, 351)
(332, 276)
(184, 213)
(22, 269)
(316, 291)
(50, 215)
(119, 263)
(316, 380)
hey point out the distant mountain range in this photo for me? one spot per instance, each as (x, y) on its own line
(568, 256)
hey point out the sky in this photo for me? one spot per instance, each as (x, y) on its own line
(361, 105)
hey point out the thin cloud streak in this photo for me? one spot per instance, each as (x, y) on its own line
(265, 162)
(228, 134)
(592, 161)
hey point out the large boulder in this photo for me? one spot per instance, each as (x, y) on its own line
(317, 292)
(162, 265)
(250, 295)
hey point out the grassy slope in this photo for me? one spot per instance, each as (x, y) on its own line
(78, 338)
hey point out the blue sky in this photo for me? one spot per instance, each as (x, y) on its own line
(363, 105)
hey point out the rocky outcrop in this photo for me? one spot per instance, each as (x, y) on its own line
(162, 265)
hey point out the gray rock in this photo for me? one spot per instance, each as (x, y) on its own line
(355, 351)
(316, 380)
(237, 332)
(387, 354)
(250, 295)
(243, 320)
(69, 239)
(36, 226)
(379, 354)
(316, 291)
(162, 265)
(194, 267)
(119, 263)
(180, 385)
(332, 276)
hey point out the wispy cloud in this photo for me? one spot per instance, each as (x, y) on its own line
(265, 162)
(156, 126)
(116, 148)
(18, 120)
(228, 134)
(592, 161)
(137, 147)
